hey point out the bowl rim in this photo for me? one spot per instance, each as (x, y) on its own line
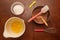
(48, 13)
(16, 3)
(12, 34)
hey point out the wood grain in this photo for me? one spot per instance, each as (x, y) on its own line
(29, 34)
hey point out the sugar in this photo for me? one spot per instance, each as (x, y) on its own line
(18, 9)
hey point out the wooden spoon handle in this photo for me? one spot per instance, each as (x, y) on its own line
(44, 20)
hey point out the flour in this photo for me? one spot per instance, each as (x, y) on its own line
(18, 9)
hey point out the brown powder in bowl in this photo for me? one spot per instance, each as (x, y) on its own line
(38, 19)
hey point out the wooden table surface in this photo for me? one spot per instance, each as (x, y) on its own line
(29, 34)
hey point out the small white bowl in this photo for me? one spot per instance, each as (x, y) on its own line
(14, 4)
(7, 30)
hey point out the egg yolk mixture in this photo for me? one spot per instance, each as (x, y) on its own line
(17, 26)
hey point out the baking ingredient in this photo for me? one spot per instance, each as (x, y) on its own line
(17, 26)
(18, 9)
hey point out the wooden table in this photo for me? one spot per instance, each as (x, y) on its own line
(29, 34)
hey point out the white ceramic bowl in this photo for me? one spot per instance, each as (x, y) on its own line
(7, 31)
(14, 4)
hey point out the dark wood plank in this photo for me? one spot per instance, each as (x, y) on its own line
(54, 6)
